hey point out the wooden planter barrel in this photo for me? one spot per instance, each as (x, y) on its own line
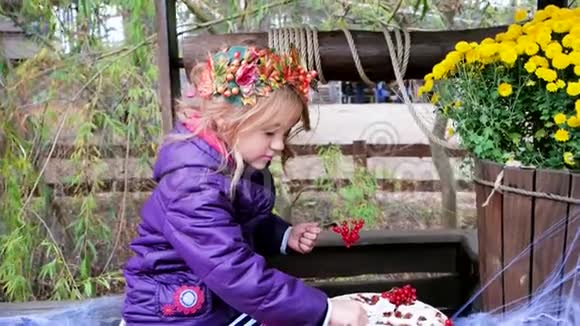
(511, 222)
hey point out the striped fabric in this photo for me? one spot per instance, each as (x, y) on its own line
(244, 320)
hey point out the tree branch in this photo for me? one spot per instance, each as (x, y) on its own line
(194, 27)
(199, 14)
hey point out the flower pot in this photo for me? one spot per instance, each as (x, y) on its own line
(510, 223)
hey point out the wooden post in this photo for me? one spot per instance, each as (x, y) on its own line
(168, 58)
(427, 49)
(359, 153)
(544, 3)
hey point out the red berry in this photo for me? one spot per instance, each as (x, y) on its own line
(448, 322)
(398, 314)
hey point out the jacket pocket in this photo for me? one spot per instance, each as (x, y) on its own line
(183, 299)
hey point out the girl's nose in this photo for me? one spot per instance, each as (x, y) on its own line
(277, 144)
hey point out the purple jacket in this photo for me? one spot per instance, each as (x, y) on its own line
(197, 255)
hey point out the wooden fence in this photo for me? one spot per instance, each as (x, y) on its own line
(359, 150)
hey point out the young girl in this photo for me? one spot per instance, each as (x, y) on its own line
(198, 257)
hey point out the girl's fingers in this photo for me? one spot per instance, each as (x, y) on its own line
(305, 248)
(310, 235)
(306, 242)
(314, 229)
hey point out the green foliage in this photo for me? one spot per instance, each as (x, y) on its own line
(106, 95)
(357, 199)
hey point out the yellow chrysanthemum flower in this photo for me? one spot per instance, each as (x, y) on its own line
(552, 87)
(561, 61)
(577, 107)
(541, 15)
(569, 158)
(439, 71)
(577, 70)
(509, 56)
(560, 118)
(487, 40)
(450, 132)
(543, 38)
(421, 91)
(454, 57)
(530, 83)
(562, 135)
(513, 32)
(573, 88)
(530, 66)
(576, 44)
(561, 26)
(504, 89)
(573, 122)
(540, 61)
(552, 49)
(428, 76)
(428, 86)
(435, 98)
(500, 37)
(560, 83)
(487, 50)
(457, 104)
(532, 48)
(546, 74)
(574, 57)
(575, 30)
(462, 47)
(520, 14)
(567, 41)
(471, 56)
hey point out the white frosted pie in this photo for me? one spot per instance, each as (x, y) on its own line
(383, 312)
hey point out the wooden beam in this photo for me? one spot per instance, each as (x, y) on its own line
(65, 151)
(136, 184)
(427, 49)
(392, 185)
(559, 3)
(380, 252)
(168, 59)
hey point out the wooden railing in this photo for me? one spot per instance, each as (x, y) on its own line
(359, 150)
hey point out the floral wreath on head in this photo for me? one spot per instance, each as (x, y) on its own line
(241, 74)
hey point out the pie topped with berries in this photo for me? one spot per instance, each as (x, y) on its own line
(398, 307)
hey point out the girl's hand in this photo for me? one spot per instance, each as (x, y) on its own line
(303, 237)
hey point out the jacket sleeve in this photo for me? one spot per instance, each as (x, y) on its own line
(268, 234)
(199, 225)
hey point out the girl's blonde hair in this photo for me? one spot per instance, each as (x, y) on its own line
(228, 121)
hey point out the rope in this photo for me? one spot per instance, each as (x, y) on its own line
(356, 58)
(304, 39)
(399, 68)
(523, 192)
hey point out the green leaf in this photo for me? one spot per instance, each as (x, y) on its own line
(541, 133)
(515, 137)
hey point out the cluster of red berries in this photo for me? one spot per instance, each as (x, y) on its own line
(406, 295)
(349, 233)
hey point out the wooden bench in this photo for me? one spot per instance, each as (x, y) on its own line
(440, 264)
